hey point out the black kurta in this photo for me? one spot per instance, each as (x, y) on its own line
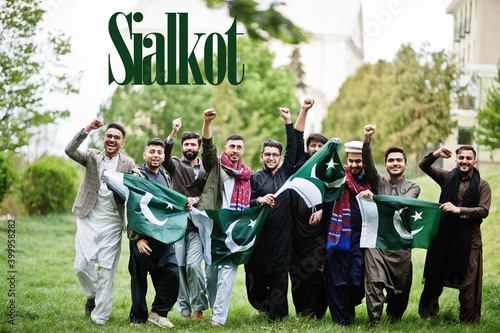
(267, 270)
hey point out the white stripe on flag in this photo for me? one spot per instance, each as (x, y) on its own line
(369, 227)
(115, 180)
(306, 189)
(205, 226)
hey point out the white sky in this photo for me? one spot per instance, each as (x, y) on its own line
(387, 24)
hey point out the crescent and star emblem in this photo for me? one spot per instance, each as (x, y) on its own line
(398, 224)
(231, 245)
(146, 198)
(336, 183)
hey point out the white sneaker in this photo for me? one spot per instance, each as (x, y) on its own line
(99, 321)
(159, 320)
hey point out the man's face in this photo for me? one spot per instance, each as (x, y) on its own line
(234, 149)
(465, 161)
(395, 164)
(314, 146)
(190, 149)
(355, 163)
(271, 158)
(113, 141)
(154, 156)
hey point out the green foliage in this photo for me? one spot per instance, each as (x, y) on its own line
(8, 175)
(262, 24)
(248, 109)
(488, 130)
(28, 70)
(408, 99)
(49, 186)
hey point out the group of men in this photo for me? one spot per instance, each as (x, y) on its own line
(318, 247)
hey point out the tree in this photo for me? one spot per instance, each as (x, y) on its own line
(409, 100)
(262, 24)
(29, 69)
(249, 109)
(8, 175)
(488, 118)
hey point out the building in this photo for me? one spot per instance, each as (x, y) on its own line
(477, 50)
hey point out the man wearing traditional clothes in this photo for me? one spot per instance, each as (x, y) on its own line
(188, 178)
(268, 267)
(308, 233)
(150, 255)
(228, 187)
(100, 218)
(455, 258)
(344, 269)
(387, 269)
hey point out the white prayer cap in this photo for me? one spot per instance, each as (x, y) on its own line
(353, 147)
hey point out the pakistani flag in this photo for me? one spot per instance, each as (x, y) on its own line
(229, 236)
(152, 209)
(321, 178)
(398, 223)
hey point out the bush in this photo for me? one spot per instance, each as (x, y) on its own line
(49, 186)
(8, 175)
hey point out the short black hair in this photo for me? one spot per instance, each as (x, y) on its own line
(271, 143)
(118, 127)
(395, 150)
(154, 142)
(459, 149)
(191, 135)
(235, 137)
(317, 137)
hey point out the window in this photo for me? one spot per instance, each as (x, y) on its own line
(465, 135)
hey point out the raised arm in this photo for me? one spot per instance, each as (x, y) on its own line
(72, 148)
(168, 163)
(372, 175)
(291, 142)
(209, 154)
(301, 120)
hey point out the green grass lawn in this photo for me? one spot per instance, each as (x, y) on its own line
(48, 298)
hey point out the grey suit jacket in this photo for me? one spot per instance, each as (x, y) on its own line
(91, 160)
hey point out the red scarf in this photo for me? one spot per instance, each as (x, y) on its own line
(240, 199)
(339, 233)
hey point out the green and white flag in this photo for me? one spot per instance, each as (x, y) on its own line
(152, 209)
(321, 178)
(229, 236)
(398, 223)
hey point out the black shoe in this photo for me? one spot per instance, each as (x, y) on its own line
(89, 306)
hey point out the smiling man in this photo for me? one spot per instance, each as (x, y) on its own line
(227, 187)
(455, 258)
(188, 178)
(150, 255)
(100, 218)
(387, 269)
(344, 270)
(268, 268)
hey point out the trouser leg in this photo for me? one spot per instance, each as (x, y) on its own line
(429, 299)
(226, 277)
(397, 303)
(86, 274)
(277, 295)
(315, 296)
(471, 297)
(166, 282)
(104, 291)
(298, 279)
(212, 273)
(374, 294)
(194, 272)
(138, 286)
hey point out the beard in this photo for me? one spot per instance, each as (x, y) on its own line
(190, 155)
